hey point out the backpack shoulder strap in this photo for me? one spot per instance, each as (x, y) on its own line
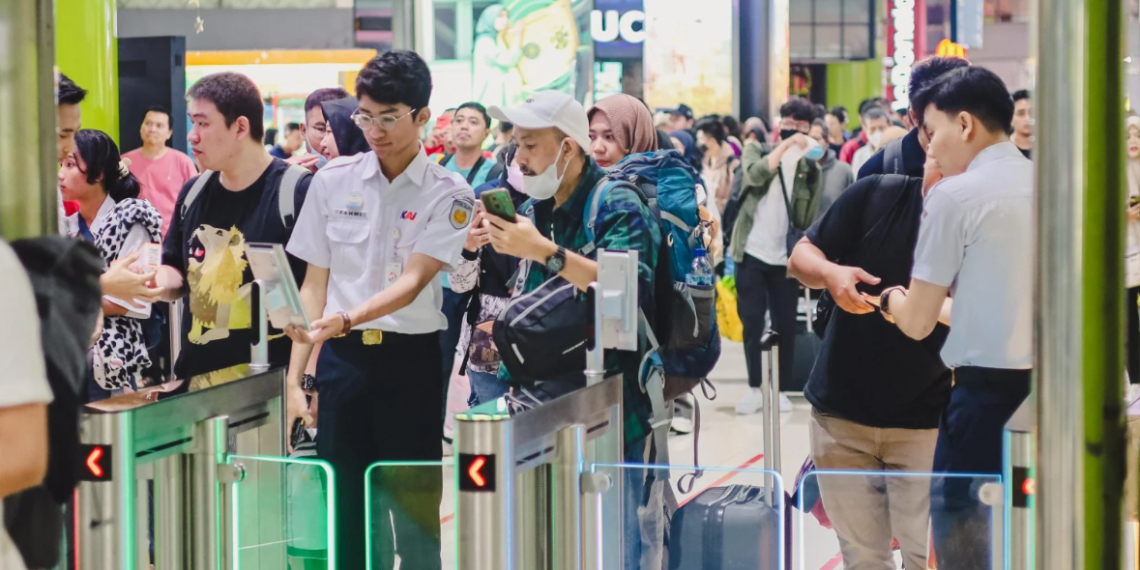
(892, 157)
(196, 189)
(594, 206)
(882, 200)
(287, 191)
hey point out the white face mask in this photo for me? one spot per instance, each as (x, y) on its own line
(875, 140)
(545, 185)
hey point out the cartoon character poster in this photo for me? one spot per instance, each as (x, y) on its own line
(523, 46)
(219, 301)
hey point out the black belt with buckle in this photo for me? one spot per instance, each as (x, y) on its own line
(373, 337)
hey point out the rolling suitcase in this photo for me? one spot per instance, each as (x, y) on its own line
(807, 348)
(737, 527)
(718, 531)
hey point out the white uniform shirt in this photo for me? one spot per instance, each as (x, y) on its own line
(977, 238)
(768, 240)
(365, 230)
(25, 377)
(136, 238)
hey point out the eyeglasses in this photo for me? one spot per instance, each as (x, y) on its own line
(385, 122)
(320, 129)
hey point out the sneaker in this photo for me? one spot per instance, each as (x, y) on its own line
(683, 414)
(752, 403)
(785, 404)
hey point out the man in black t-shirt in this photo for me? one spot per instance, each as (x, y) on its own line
(908, 154)
(876, 394)
(244, 199)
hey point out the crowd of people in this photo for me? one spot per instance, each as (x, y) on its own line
(917, 224)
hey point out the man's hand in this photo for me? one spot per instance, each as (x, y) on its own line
(308, 161)
(519, 239)
(841, 281)
(296, 406)
(931, 174)
(122, 283)
(875, 300)
(322, 330)
(477, 234)
(799, 139)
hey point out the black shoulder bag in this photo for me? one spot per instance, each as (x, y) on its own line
(794, 234)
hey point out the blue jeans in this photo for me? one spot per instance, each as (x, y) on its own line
(485, 387)
(970, 441)
(636, 495)
(453, 309)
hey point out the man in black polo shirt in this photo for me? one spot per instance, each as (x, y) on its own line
(908, 154)
(876, 394)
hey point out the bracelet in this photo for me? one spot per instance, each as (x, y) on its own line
(347, 324)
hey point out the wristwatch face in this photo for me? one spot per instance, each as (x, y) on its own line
(555, 263)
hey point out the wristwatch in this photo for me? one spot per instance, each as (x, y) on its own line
(346, 324)
(885, 299)
(557, 262)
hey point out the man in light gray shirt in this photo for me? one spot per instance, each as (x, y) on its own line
(975, 245)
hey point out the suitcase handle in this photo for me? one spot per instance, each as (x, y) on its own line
(770, 355)
(749, 495)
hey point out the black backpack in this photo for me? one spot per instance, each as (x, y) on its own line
(65, 278)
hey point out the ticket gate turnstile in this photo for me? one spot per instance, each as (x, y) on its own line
(180, 437)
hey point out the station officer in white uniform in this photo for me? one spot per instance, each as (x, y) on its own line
(377, 229)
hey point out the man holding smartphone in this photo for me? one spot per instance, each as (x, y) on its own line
(379, 228)
(549, 235)
(976, 245)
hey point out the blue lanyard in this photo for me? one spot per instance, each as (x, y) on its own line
(84, 231)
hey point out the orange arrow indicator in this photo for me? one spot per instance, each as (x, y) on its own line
(93, 462)
(474, 472)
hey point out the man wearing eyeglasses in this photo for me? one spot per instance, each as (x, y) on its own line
(378, 229)
(315, 126)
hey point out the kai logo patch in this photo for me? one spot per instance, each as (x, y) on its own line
(461, 213)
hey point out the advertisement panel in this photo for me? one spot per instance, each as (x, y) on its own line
(688, 55)
(523, 46)
(906, 44)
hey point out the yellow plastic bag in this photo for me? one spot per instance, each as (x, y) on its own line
(726, 316)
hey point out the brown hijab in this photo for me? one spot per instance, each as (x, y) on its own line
(631, 122)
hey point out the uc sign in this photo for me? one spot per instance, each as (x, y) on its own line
(610, 25)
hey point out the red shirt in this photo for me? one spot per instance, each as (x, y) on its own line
(162, 179)
(847, 153)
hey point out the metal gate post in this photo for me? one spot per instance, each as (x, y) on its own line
(106, 509)
(209, 514)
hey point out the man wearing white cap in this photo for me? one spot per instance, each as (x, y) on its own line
(553, 133)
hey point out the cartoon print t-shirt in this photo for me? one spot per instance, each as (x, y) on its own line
(207, 246)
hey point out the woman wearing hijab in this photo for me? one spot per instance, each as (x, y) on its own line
(684, 142)
(343, 137)
(1132, 255)
(620, 125)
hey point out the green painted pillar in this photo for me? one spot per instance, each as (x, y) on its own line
(849, 83)
(87, 52)
(1079, 317)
